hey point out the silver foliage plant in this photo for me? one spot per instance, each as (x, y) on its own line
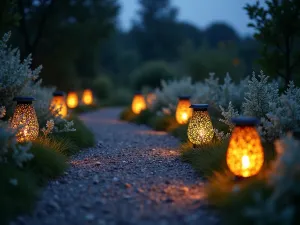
(277, 112)
(255, 96)
(18, 79)
(283, 179)
(167, 96)
(14, 73)
(210, 91)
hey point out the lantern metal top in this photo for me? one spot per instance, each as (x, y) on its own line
(199, 107)
(245, 121)
(137, 93)
(184, 97)
(24, 100)
(58, 93)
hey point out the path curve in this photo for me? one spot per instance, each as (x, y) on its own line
(133, 176)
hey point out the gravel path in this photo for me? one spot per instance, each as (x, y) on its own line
(133, 176)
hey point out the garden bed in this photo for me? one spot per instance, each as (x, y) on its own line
(266, 197)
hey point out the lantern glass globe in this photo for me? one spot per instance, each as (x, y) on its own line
(24, 120)
(87, 97)
(200, 128)
(245, 154)
(183, 110)
(138, 103)
(72, 100)
(58, 104)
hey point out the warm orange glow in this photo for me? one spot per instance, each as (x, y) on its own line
(183, 111)
(245, 155)
(151, 97)
(58, 104)
(138, 104)
(87, 97)
(24, 120)
(72, 100)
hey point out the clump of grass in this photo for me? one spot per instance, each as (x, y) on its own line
(180, 132)
(19, 187)
(127, 115)
(17, 197)
(163, 123)
(144, 117)
(206, 159)
(82, 137)
(47, 162)
(62, 145)
(231, 197)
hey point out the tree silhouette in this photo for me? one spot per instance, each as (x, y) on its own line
(277, 27)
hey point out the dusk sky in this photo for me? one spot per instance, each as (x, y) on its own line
(200, 12)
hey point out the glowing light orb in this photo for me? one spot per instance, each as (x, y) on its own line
(138, 103)
(200, 128)
(72, 100)
(183, 110)
(87, 97)
(245, 154)
(24, 120)
(58, 104)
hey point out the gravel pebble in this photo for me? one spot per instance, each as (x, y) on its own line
(132, 176)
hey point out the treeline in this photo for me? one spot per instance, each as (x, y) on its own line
(157, 35)
(80, 44)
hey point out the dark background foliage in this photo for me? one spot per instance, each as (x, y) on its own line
(80, 43)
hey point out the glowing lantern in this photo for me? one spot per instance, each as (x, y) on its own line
(138, 103)
(183, 110)
(245, 154)
(72, 100)
(200, 128)
(58, 104)
(24, 119)
(87, 97)
(151, 98)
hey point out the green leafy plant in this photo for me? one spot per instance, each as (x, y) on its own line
(47, 162)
